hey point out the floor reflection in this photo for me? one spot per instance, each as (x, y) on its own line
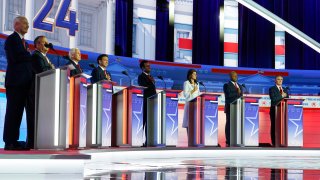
(201, 172)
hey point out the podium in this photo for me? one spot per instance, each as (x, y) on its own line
(127, 117)
(244, 121)
(289, 123)
(156, 120)
(237, 122)
(203, 120)
(77, 114)
(99, 111)
(51, 128)
(172, 117)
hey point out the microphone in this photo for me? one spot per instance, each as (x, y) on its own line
(244, 86)
(92, 65)
(126, 73)
(160, 77)
(202, 84)
(50, 46)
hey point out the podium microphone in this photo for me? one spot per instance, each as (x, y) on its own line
(244, 86)
(126, 73)
(50, 46)
(160, 77)
(202, 84)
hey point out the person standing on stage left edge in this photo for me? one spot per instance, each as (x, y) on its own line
(18, 81)
(146, 80)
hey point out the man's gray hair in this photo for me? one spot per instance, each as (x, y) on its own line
(72, 51)
(18, 19)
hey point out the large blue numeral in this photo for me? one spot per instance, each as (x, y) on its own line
(38, 20)
(72, 25)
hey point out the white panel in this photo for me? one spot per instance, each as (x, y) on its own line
(183, 19)
(231, 38)
(146, 13)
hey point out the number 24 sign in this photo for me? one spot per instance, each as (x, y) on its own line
(61, 20)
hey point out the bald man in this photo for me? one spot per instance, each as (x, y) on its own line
(232, 91)
(18, 81)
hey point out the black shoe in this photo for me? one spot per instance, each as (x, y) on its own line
(144, 145)
(17, 146)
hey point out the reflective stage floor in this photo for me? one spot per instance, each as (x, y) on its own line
(168, 163)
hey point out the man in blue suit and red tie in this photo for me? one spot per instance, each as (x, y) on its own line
(100, 73)
(276, 93)
(18, 82)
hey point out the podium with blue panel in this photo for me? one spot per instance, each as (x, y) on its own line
(203, 120)
(127, 117)
(77, 115)
(172, 117)
(289, 123)
(244, 122)
(51, 122)
(99, 114)
(156, 120)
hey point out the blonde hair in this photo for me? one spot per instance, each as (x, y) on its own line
(72, 52)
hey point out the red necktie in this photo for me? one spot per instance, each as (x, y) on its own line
(78, 66)
(281, 91)
(24, 43)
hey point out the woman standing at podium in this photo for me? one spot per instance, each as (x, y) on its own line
(190, 91)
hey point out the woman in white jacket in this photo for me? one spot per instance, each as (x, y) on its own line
(190, 91)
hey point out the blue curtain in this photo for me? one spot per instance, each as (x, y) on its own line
(123, 28)
(304, 15)
(164, 32)
(206, 45)
(256, 38)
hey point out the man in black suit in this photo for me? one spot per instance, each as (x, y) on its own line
(232, 91)
(18, 83)
(100, 73)
(74, 58)
(41, 62)
(276, 93)
(146, 80)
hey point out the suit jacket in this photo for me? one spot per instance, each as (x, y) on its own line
(231, 94)
(75, 71)
(98, 75)
(19, 69)
(143, 80)
(275, 95)
(40, 63)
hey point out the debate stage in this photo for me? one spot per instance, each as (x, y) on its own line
(162, 163)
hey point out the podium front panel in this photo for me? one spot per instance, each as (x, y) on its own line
(137, 118)
(251, 124)
(171, 119)
(106, 114)
(295, 122)
(83, 112)
(210, 115)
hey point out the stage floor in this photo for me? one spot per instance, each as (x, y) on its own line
(162, 163)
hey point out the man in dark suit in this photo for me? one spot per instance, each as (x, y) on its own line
(146, 80)
(276, 93)
(17, 82)
(41, 62)
(232, 91)
(100, 73)
(74, 58)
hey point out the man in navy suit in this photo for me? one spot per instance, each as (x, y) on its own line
(145, 79)
(74, 58)
(100, 73)
(18, 84)
(41, 62)
(232, 91)
(276, 93)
